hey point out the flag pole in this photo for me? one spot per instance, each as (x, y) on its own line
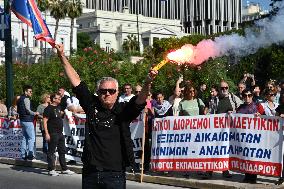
(143, 146)
(8, 56)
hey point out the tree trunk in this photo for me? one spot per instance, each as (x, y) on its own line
(56, 28)
(71, 36)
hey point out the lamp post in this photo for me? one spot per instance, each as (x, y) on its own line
(8, 56)
(137, 21)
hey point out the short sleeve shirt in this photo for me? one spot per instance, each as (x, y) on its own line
(55, 122)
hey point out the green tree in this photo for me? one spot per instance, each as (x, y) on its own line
(58, 10)
(130, 44)
(74, 10)
(83, 41)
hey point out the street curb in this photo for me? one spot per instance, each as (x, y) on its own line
(172, 181)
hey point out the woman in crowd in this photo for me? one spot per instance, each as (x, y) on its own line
(270, 105)
(280, 112)
(190, 105)
(12, 113)
(3, 109)
(161, 107)
(176, 97)
(271, 85)
(213, 100)
(249, 107)
(45, 99)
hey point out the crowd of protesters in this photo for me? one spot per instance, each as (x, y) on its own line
(186, 100)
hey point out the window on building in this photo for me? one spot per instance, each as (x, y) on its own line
(108, 47)
(80, 26)
(35, 43)
(62, 40)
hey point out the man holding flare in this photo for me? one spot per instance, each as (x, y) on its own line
(108, 146)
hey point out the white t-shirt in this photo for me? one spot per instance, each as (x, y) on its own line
(74, 102)
(269, 111)
(124, 98)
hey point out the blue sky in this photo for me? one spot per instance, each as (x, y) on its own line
(264, 3)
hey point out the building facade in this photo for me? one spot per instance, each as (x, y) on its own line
(110, 29)
(197, 16)
(252, 11)
(28, 50)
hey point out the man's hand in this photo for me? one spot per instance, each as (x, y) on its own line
(151, 76)
(60, 50)
(47, 137)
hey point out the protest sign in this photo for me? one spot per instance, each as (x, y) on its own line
(10, 138)
(137, 130)
(74, 132)
(219, 142)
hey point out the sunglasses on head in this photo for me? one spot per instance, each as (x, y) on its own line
(104, 91)
(224, 88)
(247, 95)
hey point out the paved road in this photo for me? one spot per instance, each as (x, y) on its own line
(32, 178)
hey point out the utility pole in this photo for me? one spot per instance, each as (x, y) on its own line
(137, 21)
(8, 56)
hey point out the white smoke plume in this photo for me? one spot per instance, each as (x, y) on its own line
(269, 31)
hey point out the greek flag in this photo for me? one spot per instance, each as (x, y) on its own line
(28, 12)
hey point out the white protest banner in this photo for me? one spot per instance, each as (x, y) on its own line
(218, 142)
(10, 138)
(137, 129)
(74, 132)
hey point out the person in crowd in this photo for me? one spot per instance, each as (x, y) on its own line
(271, 85)
(64, 96)
(281, 84)
(161, 107)
(176, 97)
(228, 103)
(3, 109)
(241, 87)
(249, 107)
(74, 106)
(280, 112)
(26, 116)
(213, 100)
(138, 89)
(190, 105)
(270, 105)
(256, 94)
(201, 92)
(248, 80)
(53, 126)
(108, 148)
(127, 89)
(45, 101)
(13, 113)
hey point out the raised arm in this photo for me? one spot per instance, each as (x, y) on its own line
(146, 87)
(71, 73)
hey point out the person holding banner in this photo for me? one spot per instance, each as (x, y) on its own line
(280, 112)
(250, 107)
(108, 148)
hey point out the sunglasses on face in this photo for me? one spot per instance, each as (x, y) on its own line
(104, 91)
(272, 94)
(224, 88)
(137, 92)
(247, 95)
